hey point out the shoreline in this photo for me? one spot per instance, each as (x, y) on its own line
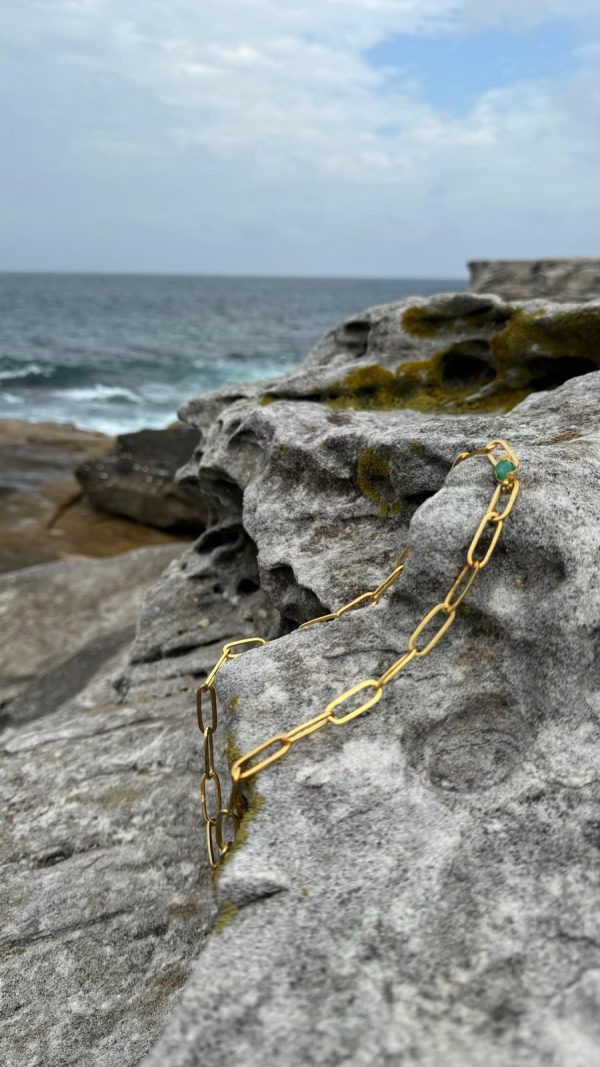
(45, 515)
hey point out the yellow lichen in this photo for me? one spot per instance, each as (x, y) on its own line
(531, 351)
(569, 435)
(253, 800)
(233, 703)
(227, 913)
(420, 322)
(571, 333)
(373, 479)
(232, 749)
(377, 387)
(254, 803)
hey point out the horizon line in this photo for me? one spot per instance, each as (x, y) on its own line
(226, 274)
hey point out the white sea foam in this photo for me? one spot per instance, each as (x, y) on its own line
(25, 371)
(99, 392)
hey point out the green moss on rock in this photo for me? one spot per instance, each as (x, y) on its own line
(227, 913)
(420, 322)
(573, 334)
(373, 479)
(417, 448)
(377, 387)
(253, 800)
(530, 351)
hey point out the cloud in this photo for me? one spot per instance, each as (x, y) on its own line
(257, 135)
(516, 12)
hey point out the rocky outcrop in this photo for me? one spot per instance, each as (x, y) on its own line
(526, 279)
(45, 515)
(61, 622)
(454, 352)
(138, 480)
(418, 886)
(33, 453)
(104, 891)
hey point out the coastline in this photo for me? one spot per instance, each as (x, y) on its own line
(45, 514)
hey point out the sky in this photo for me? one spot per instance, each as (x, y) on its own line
(364, 138)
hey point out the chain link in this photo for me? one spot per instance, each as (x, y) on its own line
(221, 823)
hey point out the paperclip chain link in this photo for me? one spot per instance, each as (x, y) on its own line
(222, 821)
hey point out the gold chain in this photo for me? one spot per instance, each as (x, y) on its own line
(222, 822)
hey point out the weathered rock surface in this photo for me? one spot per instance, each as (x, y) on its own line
(105, 896)
(62, 621)
(138, 479)
(456, 352)
(44, 514)
(419, 886)
(32, 453)
(526, 279)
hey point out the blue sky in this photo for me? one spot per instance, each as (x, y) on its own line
(452, 70)
(363, 138)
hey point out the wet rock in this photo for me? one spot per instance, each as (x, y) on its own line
(44, 515)
(138, 480)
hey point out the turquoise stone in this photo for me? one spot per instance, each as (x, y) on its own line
(504, 467)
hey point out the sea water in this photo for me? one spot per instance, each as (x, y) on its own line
(118, 352)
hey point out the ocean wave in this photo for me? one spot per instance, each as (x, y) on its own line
(23, 372)
(101, 392)
(28, 375)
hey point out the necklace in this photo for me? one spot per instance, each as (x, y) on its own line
(222, 822)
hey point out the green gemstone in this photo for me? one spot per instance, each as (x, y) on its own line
(504, 467)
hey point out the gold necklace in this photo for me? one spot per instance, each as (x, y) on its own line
(218, 819)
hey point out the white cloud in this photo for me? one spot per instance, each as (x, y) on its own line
(256, 135)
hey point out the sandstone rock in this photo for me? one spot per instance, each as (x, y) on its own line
(417, 887)
(102, 907)
(32, 453)
(138, 480)
(105, 893)
(62, 621)
(44, 515)
(456, 352)
(525, 279)
(420, 885)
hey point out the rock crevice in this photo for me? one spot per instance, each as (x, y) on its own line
(418, 886)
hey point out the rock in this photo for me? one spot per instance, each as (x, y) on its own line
(416, 887)
(44, 515)
(138, 480)
(524, 279)
(33, 453)
(105, 895)
(456, 352)
(62, 621)
(419, 885)
(101, 901)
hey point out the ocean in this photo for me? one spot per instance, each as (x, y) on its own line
(119, 352)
